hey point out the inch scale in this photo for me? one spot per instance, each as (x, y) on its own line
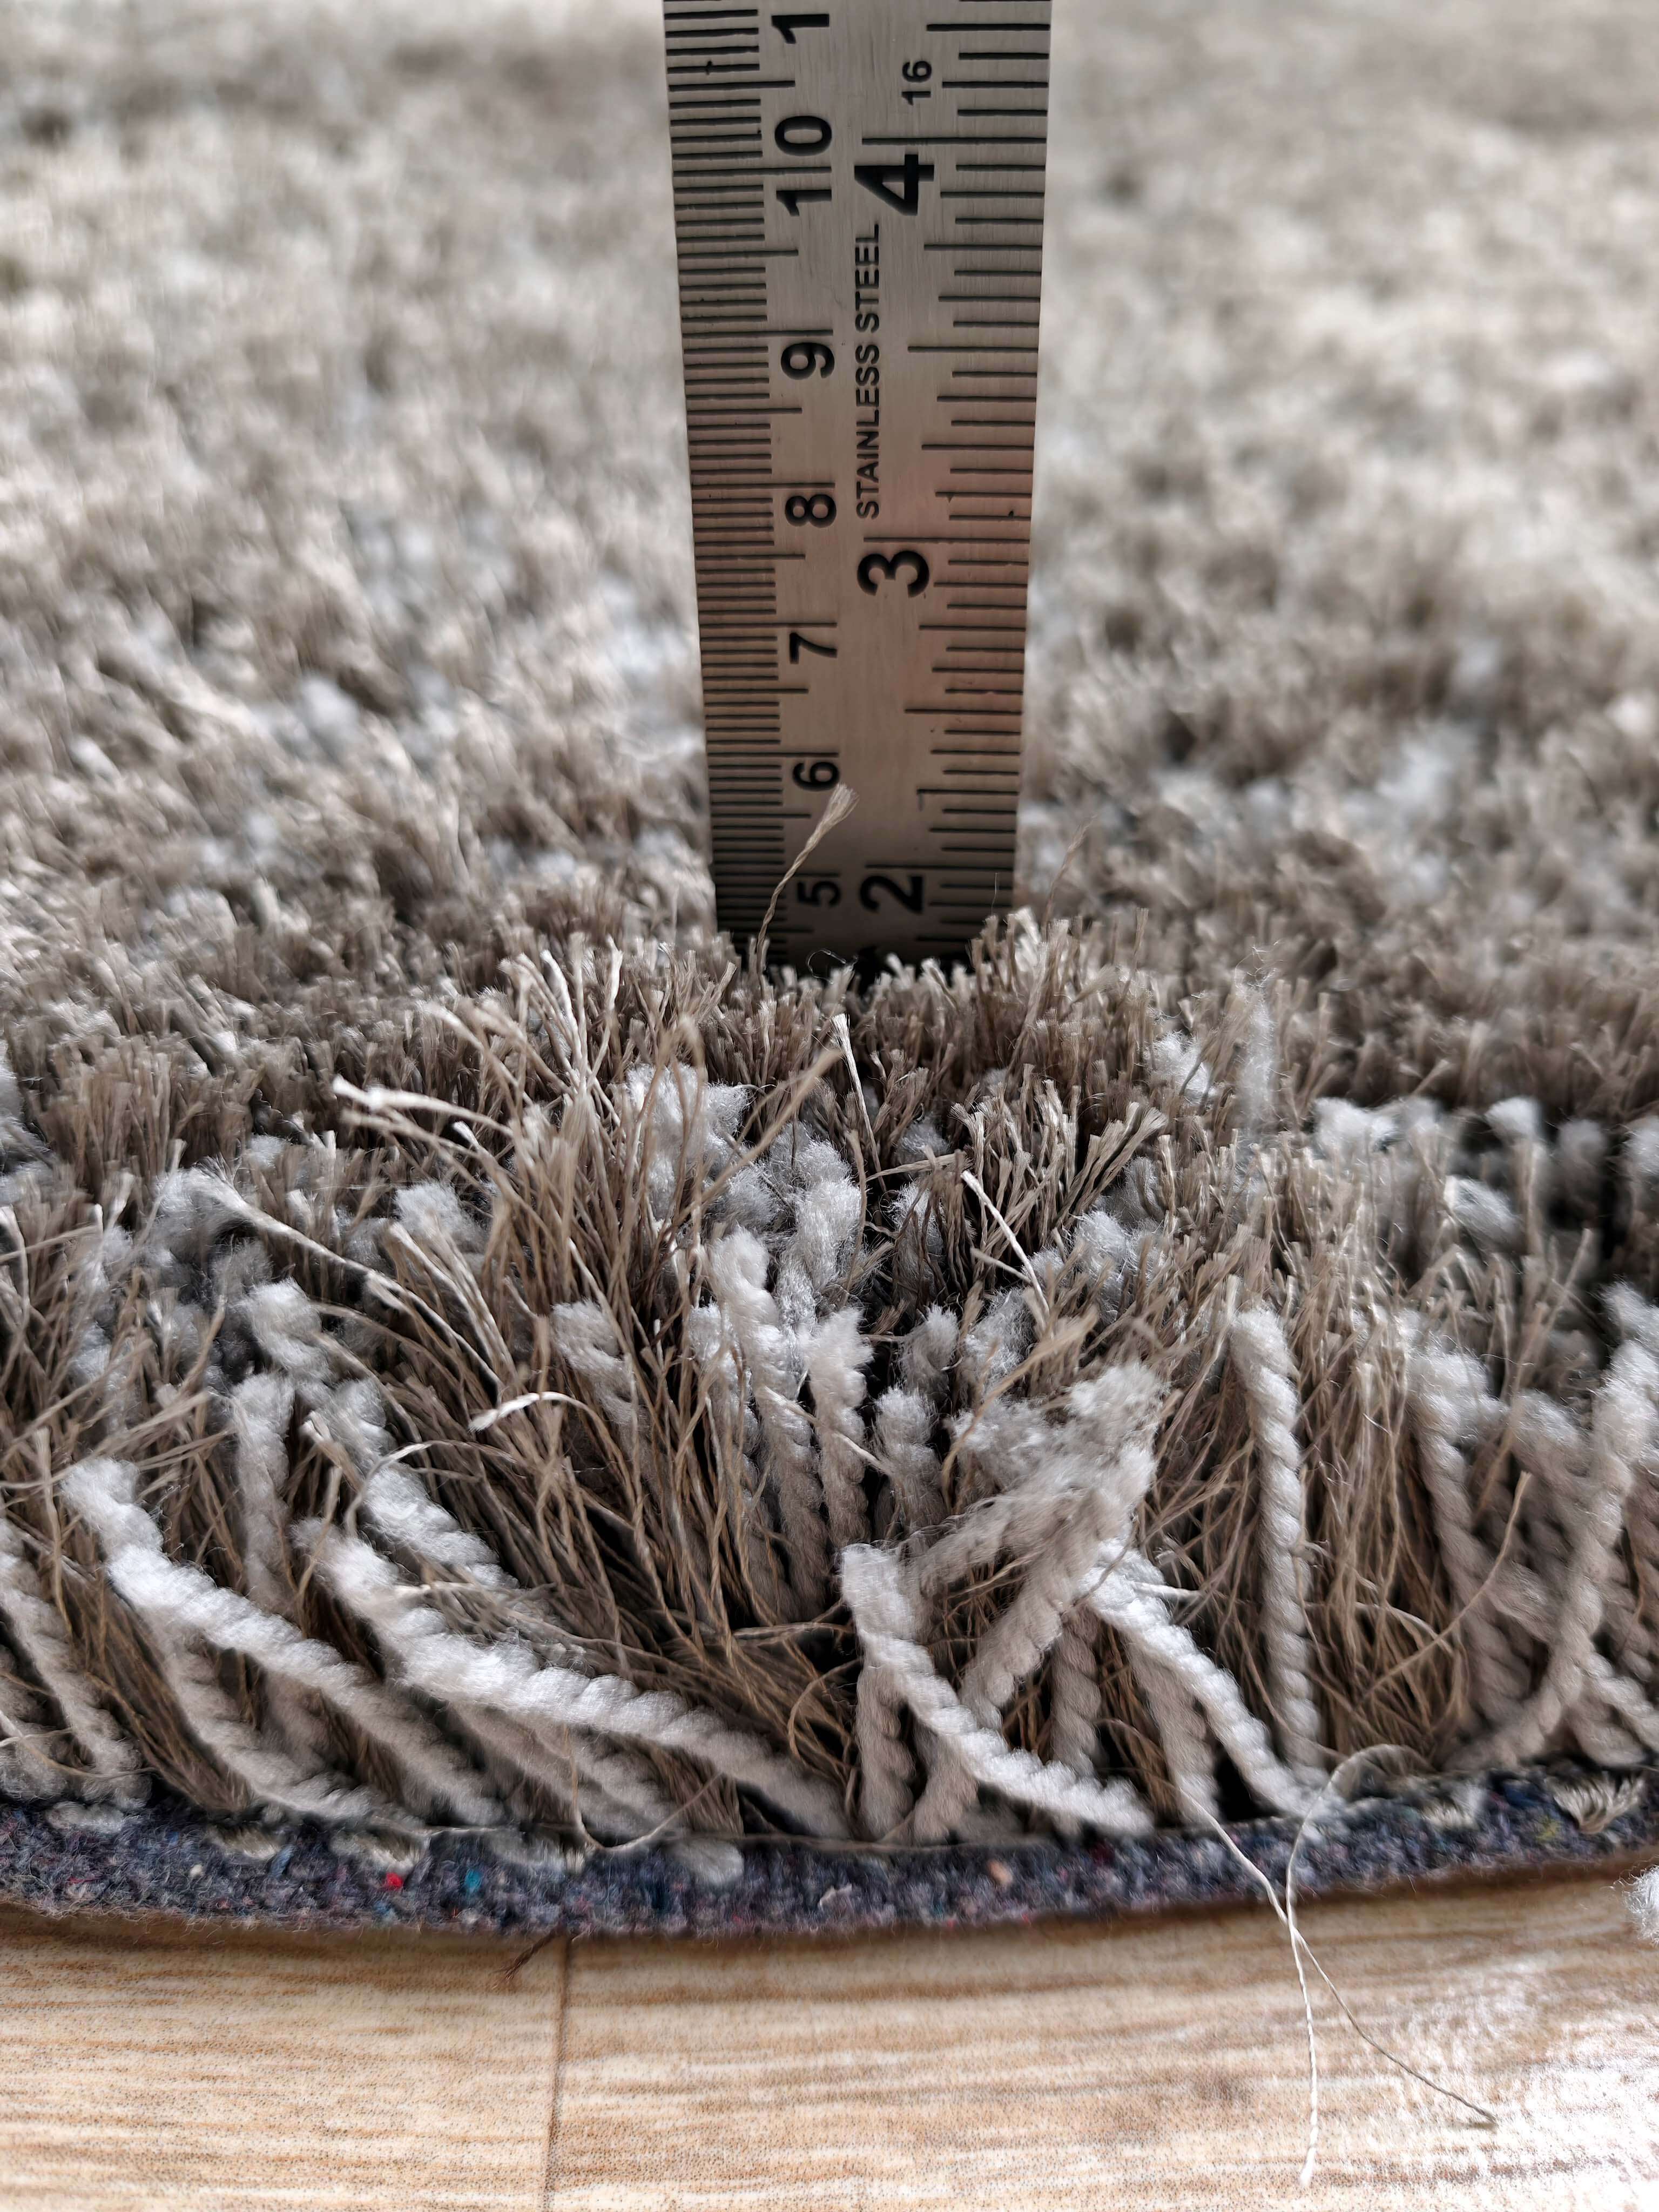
(859, 206)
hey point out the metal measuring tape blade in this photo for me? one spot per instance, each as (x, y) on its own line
(859, 207)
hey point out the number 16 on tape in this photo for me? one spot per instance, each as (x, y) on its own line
(858, 208)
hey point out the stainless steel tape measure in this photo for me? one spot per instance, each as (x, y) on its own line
(859, 205)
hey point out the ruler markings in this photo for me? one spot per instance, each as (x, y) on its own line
(847, 529)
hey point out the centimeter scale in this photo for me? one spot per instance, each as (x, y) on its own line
(859, 202)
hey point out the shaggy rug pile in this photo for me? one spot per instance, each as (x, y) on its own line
(507, 1411)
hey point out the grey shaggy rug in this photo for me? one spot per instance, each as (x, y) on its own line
(500, 1399)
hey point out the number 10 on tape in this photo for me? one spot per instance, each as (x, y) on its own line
(859, 206)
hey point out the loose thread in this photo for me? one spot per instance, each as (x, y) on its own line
(1285, 1913)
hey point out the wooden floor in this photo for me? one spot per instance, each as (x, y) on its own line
(1163, 2065)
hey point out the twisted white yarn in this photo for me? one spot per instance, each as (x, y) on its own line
(1636, 1319)
(837, 1354)
(403, 1516)
(510, 1760)
(1255, 1075)
(738, 1267)
(733, 1424)
(828, 1209)
(102, 1490)
(1039, 1469)
(886, 1769)
(1559, 1453)
(1638, 1713)
(1074, 1725)
(179, 1602)
(620, 1797)
(1011, 1650)
(1447, 1401)
(615, 1792)
(1134, 1601)
(505, 1678)
(261, 1410)
(36, 1628)
(927, 1355)
(1061, 1511)
(1188, 1754)
(904, 1428)
(1621, 1435)
(1261, 1360)
(882, 1614)
(27, 1774)
(585, 1335)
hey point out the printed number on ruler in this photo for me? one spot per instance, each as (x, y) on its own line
(858, 201)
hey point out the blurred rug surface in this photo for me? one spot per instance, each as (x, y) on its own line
(507, 1413)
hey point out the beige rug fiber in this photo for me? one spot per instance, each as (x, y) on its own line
(473, 1352)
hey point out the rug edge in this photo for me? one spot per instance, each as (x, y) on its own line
(165, 1861)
